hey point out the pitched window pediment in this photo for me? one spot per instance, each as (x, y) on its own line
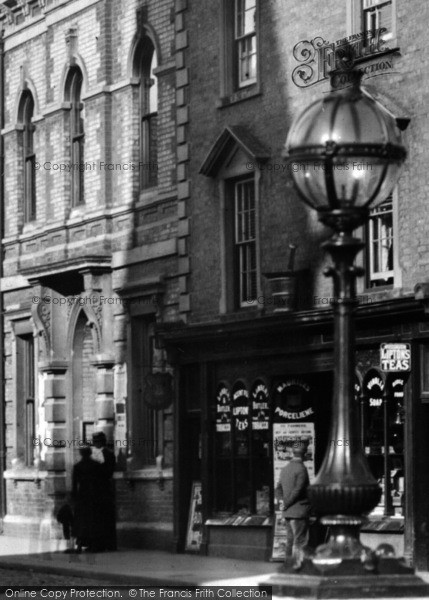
(234, 150)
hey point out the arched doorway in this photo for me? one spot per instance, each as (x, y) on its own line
(83, 394)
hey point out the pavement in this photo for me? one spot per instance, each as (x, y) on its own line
(132, 567)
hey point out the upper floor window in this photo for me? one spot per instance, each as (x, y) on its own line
(381, 245)
(377, 14)
(145, 66)
(28, 157)
(77, 134)
(370, 16)
(239, 197)
(245, 42)
(239, 50)
(245, 275)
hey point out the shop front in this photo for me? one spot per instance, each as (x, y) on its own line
(251, 390)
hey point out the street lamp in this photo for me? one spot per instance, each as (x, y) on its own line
(345, 155)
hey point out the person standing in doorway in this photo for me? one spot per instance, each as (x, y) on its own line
(292, 489)
(87, 482)
(106, 497)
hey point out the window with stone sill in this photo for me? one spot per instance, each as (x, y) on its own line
(239, 46)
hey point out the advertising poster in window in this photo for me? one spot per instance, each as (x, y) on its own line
(195, 521)
(293, 416)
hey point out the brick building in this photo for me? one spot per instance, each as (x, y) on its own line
(162, 255)
(89, 258)
(252, 378)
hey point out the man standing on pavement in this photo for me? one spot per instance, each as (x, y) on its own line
(292, 489)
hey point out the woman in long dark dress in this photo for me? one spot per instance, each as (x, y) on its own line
(87, 482)
(106, 495)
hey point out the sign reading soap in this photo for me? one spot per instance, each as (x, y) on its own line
(319, 57)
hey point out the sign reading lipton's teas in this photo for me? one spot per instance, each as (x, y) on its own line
(395, 357)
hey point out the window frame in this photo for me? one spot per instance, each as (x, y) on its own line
(241, 38)
(230, 89)
(230, 300)
(74, 85)
(238, 454)
(25, 395)
(145, 65)
(146, 435)
(355, 19)
(382, 457)
(376, 239)
(393, 277)
(26, 112)
(245, 243)
(374, 10)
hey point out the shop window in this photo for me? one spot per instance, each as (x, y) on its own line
(25, 398)
(370, 16)
(239, 45)
(145, 64)
(26, 110)
(241, 450)
(146, 426)
(382, 424)
(77, 134)
(380, 246)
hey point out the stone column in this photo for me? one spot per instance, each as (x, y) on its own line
(53, 444)
(104, 409)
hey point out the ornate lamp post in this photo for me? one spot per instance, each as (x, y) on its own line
(346, 155)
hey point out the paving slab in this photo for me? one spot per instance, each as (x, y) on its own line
(132, 567)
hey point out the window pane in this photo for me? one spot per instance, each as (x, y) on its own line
(29, 189)
(245, 17)
(377, 14)
(245, 240)
(77, 174)
(381, 242)
(247, 60)
(29, 432)
(153, 90)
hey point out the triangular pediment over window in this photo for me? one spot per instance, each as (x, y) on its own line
(235, 145)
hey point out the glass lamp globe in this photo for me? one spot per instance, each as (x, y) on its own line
(345, 151)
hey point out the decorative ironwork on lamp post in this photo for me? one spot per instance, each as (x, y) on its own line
(346, 154)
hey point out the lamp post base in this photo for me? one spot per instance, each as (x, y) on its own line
(350, 579)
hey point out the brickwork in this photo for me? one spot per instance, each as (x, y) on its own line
(145, 501)
(119, 235)
(268, 115)
(182, 88)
